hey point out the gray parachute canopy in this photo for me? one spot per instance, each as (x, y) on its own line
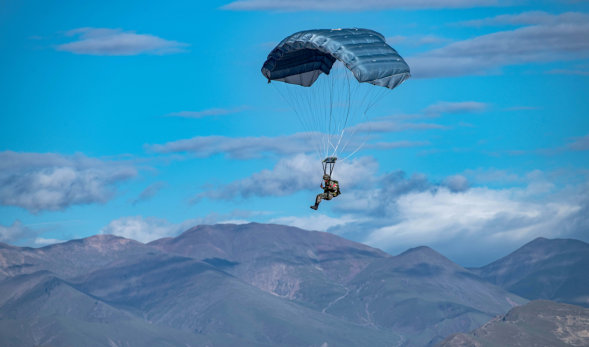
(302, 57)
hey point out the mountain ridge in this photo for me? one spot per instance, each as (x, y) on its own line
(246, 285)
(556, 269)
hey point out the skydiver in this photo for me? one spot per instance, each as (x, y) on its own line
(330, 191)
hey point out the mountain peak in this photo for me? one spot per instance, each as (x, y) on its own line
(420, 249)
(425, 254)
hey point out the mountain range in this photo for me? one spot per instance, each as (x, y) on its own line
(242, 285)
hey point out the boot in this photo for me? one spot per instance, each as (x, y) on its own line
(314, 207)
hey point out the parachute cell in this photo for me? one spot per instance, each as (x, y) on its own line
(302, 57)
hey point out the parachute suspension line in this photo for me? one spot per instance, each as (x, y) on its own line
(334, 110)
(347, 104)
(351, 93)
(362, 145)
(372, 101)
(298, 116)
(309, 124)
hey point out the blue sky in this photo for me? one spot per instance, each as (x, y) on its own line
(143, 119)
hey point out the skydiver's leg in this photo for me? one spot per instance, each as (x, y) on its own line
(318, 200)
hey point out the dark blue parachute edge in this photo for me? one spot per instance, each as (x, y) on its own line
(302, 57)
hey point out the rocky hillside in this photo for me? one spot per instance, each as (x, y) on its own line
(539, 323)
(422, 295)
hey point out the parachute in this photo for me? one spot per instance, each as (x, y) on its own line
(332, 80)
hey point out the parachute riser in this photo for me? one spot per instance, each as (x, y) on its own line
(329, 165)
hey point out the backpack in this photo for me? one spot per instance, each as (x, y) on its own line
(336, 184)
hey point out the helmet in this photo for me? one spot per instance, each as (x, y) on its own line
(326, 177)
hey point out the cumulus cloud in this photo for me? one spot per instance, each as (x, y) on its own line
(351, 5)
(15, 232)
(492, 175)
(395, 211)
(44, 242)
(291, 175)
(111, 42)
(207, 113)
(52, 182)
(319, 222)
(147, 229)
(149, 192)
(456, 183)
(485, 213)
(549, 38)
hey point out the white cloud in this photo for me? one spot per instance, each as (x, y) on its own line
(147, 229)
(234, 221)
(395, 212)
(104, 41)
(490, 215)
(352, 5)
(290, 175)
(44, 242)
(484, 176)
(463, 107)
(207, 113)
(560, 37)
(149, 192)
(53, 182)
(15, 232)
(256, 147)
(318, 222)
(456, 183)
